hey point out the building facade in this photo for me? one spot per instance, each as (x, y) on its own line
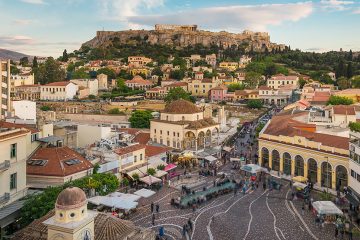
(278, 80)
(58, 91)
(27, 92)
(354, 168)
(182, 126)
(91, 84)
(5, 102)
(295, 148)
(139, 83)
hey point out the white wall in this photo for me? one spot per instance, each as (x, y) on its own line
(89, 134)
(25, 109)
(71, 90)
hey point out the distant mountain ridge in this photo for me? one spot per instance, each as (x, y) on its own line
(12, 55)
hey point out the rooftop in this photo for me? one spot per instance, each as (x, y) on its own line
(129, 149)
(57, 84)
(181, 107)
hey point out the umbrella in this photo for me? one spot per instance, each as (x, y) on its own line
(300, 179)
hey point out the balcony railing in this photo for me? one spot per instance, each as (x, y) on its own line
(5, 198)
(5, 165)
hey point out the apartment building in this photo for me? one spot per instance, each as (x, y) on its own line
(231, 66)
(27, 92)
(278, 80)
(91, 84)
(5, 88)
(354, 170)
(131, 157)
(58, 91)
(138, 61)
(21, 80)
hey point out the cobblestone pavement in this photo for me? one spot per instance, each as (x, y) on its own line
(259, 214)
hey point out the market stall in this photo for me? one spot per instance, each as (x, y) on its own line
(114, 202)
(145, 193)
(300, 179)
(150, 180)
(252, 170)
(327, 209)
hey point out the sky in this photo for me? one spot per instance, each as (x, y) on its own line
(47, 27)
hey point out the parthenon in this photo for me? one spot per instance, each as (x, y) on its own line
(160, 27)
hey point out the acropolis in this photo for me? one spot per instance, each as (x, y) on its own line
(161, 27)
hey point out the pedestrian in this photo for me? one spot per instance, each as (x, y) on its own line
(214, 183)
(303, 209)
(184, 230)
(194, 207)
(157, 208)
(350, 231)
(190, 224)
(317, 221)
(264, 186)
(152, 207)
(153, 219)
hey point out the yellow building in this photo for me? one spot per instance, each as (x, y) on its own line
(295, 148)
(138, 61)
(231, 66)
(183, 126)
(138, 71)
(353, 94)
(131, 157)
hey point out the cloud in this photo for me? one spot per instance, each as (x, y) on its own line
(120, 10)
(15, 40)
(234, 18)
(34, 1)
(335, 5)
(23, 21)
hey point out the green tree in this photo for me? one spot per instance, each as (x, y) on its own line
(80, 74)
(349, 71)
(177, 74)
(161, 167)
(343, 83)
(65, 56)
(338, 100)
(176, 94)
(151, 171)
(14, 70)
(115, 111)
(235, 86)
(92, 97)
(34, 63)
(107, 71)
(45, 108)
(49, 72)
(157, 71)
(254, 104)
(355, 82)
(302, 82)
(24, 61)
(124, 75)
(140, 119)
(252, 79)
(179, 62)
(96, 168)
(354, 126)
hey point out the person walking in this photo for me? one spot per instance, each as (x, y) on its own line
(157, 208)
(153, 219)
(303, 209)
(336, 232)
(190, 224)
(152, 207)
(184, 230)
(264, 186)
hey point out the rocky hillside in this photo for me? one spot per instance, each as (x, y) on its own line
(12, 55)
(258, 41)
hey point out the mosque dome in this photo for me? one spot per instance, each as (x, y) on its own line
(71, 198)
(181, 107)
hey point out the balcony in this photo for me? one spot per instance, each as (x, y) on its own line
(5, 198)
(5, 165)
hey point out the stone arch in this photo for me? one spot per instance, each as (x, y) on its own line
(265, 157)
(189, 141)
(208, 137)
(201, 139)
(326, 174)
(312, 170)
(275, 160)
(299, 165)
(287, 163)
(341, 177)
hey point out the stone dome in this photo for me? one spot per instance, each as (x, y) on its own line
(71, 198)
(181, 107)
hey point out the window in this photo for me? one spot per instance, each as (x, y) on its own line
(168, 133)
(358, 177)
(141, 158)
(160, 131)
(135, 158)
(178, 134)
(13, 150)
(154, 130)
(13, 181)
(174, 134)
(353, 174)
(203, 91)
(168, 143)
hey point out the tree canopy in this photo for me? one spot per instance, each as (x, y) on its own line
(254, 104)
(49, 72)
(176, 94)
(252, 79)
(107, 71)
(338, 100)
(140, 119)
(235, 86)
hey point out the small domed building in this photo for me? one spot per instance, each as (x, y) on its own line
(182, 125)
(71, 220)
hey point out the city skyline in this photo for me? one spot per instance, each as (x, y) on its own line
(47, 27)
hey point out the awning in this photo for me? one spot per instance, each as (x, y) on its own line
(149, 180)
(50, 139)
(253, 168)
(125, 196)
(210, 158)
(142, 171)
(299, 185)
(160, 173)
(170, 166)
(235, 159)
(9, 213)
(300, 179)
(327, 208)
(227, 149)
(145, 193)
(116, 202)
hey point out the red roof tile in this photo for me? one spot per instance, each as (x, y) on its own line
(56, 165)
(344, 110)
(142, 138)
(58, 84)
(4, 124)
(151, 150)
(129, 149)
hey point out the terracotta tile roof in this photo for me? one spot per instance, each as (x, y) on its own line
(56, 164)
(156, 89)
(142, 138)
(139, 80)
(344, 110)
(177, 84)
(30, 85)
(321, 97)
(4, 124)
(129, 149)
(181, 107)
(152, 150)
(240, 93)
(203, 123)
(206, 80)
(106, 227)
(220, 87)
(58, 84)
(350, 91)
(132, 131)
(283, 77)
(285, 125)
(264, 88)
(13, 134)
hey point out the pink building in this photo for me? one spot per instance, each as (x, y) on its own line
(218, 93)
